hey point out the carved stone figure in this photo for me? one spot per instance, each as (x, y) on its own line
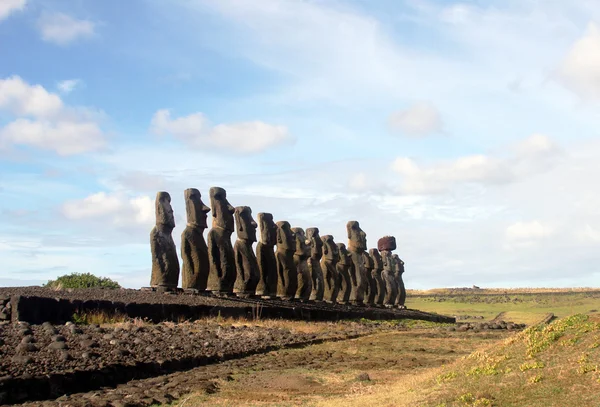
(357, 244)
(265, 256)
(287, 274)
(301, 256)
(331, 256)
(399, 270)
(371, 292)
(343, 269)
(221, 277)
(165, 263)
(386, 245)
(246, 264)
(376, 273)
(314, 264)
(194, 251)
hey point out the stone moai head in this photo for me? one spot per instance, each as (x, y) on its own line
(330, 249)
(222, 211)
(357, 239)
(344, 256)
(386, 243)
(302, 243)
(268, 229)
(398, 263)
(246, 226)
(377, 261)
(195, 209)
(164, 211)
(285, 236)
(316, 245)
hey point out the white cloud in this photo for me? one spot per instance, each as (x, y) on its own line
(43, 121)
(62, 29)
(195, 130)
(113, 208)
(7, 7)
(535, 154)
(522, 235)
(580, 70)
(68, 85)
(418, 120)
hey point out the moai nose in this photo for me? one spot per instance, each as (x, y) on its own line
(254, 224)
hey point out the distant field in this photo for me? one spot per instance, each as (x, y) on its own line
(518, 305)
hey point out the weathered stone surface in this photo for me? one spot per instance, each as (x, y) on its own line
(287, 274)
(357, 244)
(376, 273)
(391, 286)
(194, 251)
(165, 262)
(386, 243)
(398, 271)
(221, 258)
(246, 264)
(301, 255)
(331, 256)
(314, 264)
(265, 256)
(371, 292)
(343, 270)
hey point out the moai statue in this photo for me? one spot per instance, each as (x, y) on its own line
(386, 245)
(287, 274)
(265, 255)
(194, 251)
(221, 257)
(371, 292)
(357, 244)
(331, 256)
(304, 288)
(343, 269)
(165, 263)
(314, 264)
(246, 264)
(398, 271)
(376, 274)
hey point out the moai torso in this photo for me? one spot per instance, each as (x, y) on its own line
(287, 275)
(304, 288)
(265, 256)
(165, 263)
(371, 292)
(246, 264)
(398, 271)
(343, 269)
(329, 262)
(376, 274)
(222, 274)
(314, 264)
(194, 251)
(386, 245)
(357, 244)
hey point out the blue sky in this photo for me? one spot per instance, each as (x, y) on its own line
(466, 129)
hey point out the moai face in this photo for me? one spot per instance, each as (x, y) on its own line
(344, 256)
(246, 226)
(316, 245)
(302, 244)
(268, 229)
(386, 243)
(398, 263)
(357, 239)
(195, 209)
(330, 250)
(285, 236)
(164, 211)
(222, 211)
(377, 261)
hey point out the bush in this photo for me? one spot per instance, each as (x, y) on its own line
(79, 280)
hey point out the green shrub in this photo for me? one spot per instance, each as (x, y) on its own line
(81, 280)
